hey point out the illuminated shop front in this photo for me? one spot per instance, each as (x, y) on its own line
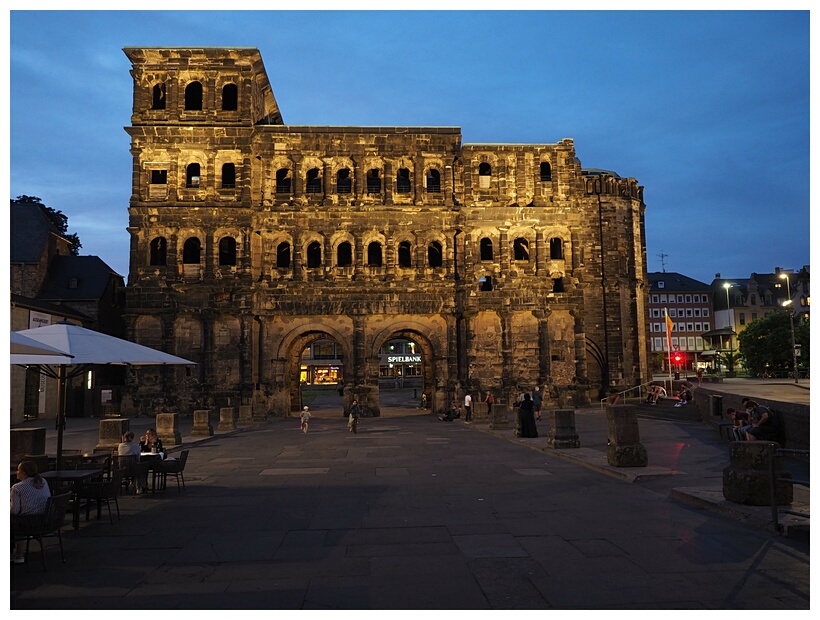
(321, 364)
(400, 364)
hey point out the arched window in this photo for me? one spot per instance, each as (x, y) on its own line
(546, 171)
(486, 248)
(403, 181)
(158, 97)
(228, 176)
(227, 251)
(314, 181)
(192, 175)
(283, 181)
(344, 254)
(283, 255)
(314, 255)
(374, 254)
(556, 248)
(343, 181)
(434, 255)
(374, 183)
(521, 249)
(434, 181)
(230, 97)
(159, 251)
(405, 254)
(191, 251)
(193, 96)
(485, 172)
(485, 283)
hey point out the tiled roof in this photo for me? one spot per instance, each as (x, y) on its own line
(30, 229)
(675, 282)
(76, 278)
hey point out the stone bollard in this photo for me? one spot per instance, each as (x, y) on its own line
(499, 416)
(259, 414)
(245, 414)
(168, 429)
(562, 429)
(746, 479)
(227, 419)
(111, 432)
(27, 441)
(202, 423)
(625, 448)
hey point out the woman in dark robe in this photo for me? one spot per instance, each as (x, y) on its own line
(526, 416)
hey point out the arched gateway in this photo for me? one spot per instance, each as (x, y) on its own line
(505, 275)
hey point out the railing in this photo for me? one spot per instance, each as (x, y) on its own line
(773, 480)
(624, 394)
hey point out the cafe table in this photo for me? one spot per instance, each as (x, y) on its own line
(152, 457)
(76, 477)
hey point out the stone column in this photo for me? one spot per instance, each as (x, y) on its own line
(625, 448)
(747, 478)
(111, 432)
(544, 351)
(227, 419)
(202, 423)
(168, 429)
(562, 429)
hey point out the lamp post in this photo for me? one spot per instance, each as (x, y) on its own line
(788, 302)
(731, 363)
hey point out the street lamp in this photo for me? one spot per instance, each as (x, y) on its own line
(731, 364)
(788, 302)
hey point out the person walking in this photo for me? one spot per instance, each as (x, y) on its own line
(354, 414)
(489, 400)
(304, 418)
(537, 399)
(468, 407)
(527, 427)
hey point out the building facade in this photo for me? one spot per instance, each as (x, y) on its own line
(507, 265)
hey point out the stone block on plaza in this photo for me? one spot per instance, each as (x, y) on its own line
(111, 432)
(202, 423)
(625, 448)
(499, 416)
(245, 414)
(227, 419)
(747, 478)
(168, 429)
(562, 429)
(27, 441)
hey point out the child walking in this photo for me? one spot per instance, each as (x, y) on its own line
(304, 418)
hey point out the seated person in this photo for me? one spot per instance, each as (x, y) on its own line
(150, 442)
(740, 419)
(684, 396)
(451, 414)
(655, 392)
(28, 497)
(763, 427)
(129, 448)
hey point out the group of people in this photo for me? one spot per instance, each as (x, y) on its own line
(754, 422)
(353, 415)
(149, 442)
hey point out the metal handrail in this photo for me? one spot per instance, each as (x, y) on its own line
(773, 480)
(623, 393)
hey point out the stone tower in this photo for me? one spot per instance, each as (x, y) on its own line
(510, 265)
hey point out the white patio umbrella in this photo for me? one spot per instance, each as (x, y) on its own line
(85, 348)
(22, 345)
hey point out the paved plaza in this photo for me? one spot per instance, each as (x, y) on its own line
(415, 513)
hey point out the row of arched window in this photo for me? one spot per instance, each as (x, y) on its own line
(193, 96)
(192, 251)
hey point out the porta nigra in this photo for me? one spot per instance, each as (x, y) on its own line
(510, 265)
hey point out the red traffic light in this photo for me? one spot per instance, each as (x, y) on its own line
(677, 357)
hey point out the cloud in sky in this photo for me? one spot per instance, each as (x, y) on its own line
(708, 110)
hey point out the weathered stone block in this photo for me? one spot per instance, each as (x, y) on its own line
(227, 419)
(168, 429)
(111, 432)
(26, 441)
(245, 414)
(202, 423)
(562, 429)
(625, 448)
(747, 478)
(499, 416)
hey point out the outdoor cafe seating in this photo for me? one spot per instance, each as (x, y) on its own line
(39, 526)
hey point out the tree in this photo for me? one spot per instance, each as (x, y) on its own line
(767, 343)
(58, 218)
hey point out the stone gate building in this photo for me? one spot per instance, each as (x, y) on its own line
(509, 264)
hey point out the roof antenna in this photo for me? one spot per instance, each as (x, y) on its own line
(663, 258)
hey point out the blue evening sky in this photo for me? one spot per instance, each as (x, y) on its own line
(708, 110)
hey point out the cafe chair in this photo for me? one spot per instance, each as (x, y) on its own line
(46, 525)
(102, 492)
(174, 467)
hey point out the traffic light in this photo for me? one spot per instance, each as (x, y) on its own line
(677, 357)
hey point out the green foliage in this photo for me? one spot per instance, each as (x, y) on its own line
(58, 218)
(767, 343)
(729, 359)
